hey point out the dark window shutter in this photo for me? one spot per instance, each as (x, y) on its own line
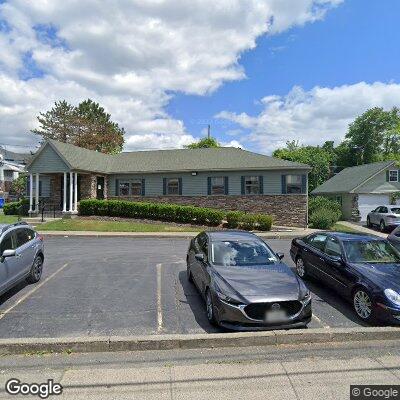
(387, 176)
(226, 184)
(209, 185)
(180, 186)
(243, 189)
(117, 187)
(398, 175)
(303, 183)
(261, 183)
(143, 187)
(164, 186)
(28, 185)
(40, 188)
(283, 177)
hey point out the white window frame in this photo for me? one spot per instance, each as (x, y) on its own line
(251, 182)
(390, 175)
(120, 183)
(293, 184)
(214, 186)
(136, 181)
(168, 186)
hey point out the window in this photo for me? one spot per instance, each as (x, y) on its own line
(202, 243)
(21, 237)
(252, 185)
(136, 187)
(124, 189)
(394, 175)
(294, 184)
(317, 241)
(371, 251)
(172, 186)
(332, 247)
(31, 234)
(217, 185)
(7, 243)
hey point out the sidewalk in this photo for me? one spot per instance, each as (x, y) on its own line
(362, 229)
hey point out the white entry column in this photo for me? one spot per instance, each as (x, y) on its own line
(37, 194)
(71, 187)
(65, 193)
(76, 193)
(30, 193)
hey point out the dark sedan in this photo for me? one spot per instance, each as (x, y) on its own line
(364, 269)
(245, 284)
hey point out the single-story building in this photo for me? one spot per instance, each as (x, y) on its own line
(362, 188)
(225, 178)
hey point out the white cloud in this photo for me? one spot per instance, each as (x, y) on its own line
(314, 116)
(130, 55)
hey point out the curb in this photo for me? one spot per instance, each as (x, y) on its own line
(198, 341)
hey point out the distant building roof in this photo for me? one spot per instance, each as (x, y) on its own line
(350, 178)
(206, 159)
(21, 158)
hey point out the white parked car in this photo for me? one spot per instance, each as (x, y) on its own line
(386, 217)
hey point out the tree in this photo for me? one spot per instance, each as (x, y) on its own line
(316, 157)
(371, 134)
(87, 125)
(204, 143)
(18, 186)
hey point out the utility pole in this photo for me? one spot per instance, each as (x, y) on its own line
(209, 132)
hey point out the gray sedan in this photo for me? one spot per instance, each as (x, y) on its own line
(385, 217)
(245, 285)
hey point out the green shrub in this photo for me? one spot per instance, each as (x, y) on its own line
(264, 222)
(233, 219)
(16, 207)
(323, 203)
(248, 222)
(323, 219)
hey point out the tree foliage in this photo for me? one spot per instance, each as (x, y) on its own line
(18, 186)
(87, 125)
(204, 143)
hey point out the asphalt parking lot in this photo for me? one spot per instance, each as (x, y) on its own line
(127, 286)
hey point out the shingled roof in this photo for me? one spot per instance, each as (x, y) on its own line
(213, 159)
(350, 178)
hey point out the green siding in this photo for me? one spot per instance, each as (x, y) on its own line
(48, 161)
(379, 184)
(197, 185)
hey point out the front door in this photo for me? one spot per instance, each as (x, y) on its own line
(100, 188)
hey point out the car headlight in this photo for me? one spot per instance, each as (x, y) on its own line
(304, 294)
(225, 293)
(393, 296)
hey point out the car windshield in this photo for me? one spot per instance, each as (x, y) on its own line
(370, 251)
(248, 253)
(395, 210)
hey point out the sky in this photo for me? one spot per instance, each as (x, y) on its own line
(260, 72)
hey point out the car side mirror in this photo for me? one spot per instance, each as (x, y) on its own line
(337, 260)
(8, 253)
(280, 255)
(199, 257)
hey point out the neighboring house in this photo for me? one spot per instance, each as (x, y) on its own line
(362, 188)
(225, 178)
(11, 165)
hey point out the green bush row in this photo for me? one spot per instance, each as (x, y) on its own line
(16, 207)
(323, 212)
(174, 213)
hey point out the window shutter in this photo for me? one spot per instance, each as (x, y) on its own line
(180, 186)
(143, 187)
(398, 175)
(164, 186)
(117, 187)
(303, 183)
(283, 177)
(387, 176)
(243, 189)
(261, 183)
(226, 184)
(209, 185)
(40, 188)
(28, 185)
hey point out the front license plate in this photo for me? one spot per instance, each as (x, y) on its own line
(275, 316)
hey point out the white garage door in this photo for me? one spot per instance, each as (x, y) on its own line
(368, 202)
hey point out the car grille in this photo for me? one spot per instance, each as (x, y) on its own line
(258, 310)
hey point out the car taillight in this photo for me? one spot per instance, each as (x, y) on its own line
(40, 237)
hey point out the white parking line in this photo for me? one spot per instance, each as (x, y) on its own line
(159, 305)
(25, 296)
(314, 317)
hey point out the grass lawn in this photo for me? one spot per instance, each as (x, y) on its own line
(8, 219)
(342, 228)
(76, 224)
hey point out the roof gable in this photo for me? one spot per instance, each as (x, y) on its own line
(47, 160)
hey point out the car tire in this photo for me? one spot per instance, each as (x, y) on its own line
(362, 304)
(189, 274)
(301, 268)
(36, 270)
(369, 225)
(210, 309)
(382, 226)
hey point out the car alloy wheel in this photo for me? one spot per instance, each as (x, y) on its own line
(36, 270)
(382, 226)
(300, 268)
(362, 304)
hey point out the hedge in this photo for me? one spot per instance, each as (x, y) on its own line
(174, 213)
(323, 212)
(16, 207)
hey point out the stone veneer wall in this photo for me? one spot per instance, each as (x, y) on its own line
(55, 189)
(287, 210)
(88, 187)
